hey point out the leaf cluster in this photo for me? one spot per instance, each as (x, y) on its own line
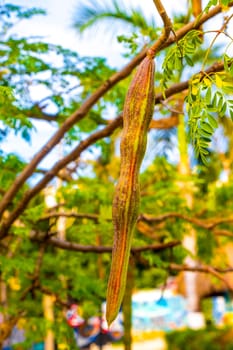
(208, 99)
(180, 55)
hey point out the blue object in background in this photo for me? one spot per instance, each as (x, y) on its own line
(219, 308)
(154, 310)
(38, 346)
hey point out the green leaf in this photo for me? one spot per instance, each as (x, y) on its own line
(204, 144)
(223, 109)
(231, 114)
(225, 2)
(225, 61)
(189, 60)
(203, 158)
(210, 3)
(208, 96)
(215, 101)
(204, 133)
(231, 70)
(213, 122)
(220, 103)
(204, 151)
(207, 127)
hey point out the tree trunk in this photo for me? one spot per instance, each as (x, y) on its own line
(48, 303)
(127, 307)
(195, 318)
(49, 317)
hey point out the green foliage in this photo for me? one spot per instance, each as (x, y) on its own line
(11, 13)
(204, 250)
(179, 253)
(146, 275)
(6, 94)
(210, 3)
(208, 174)
(210, 338)
(214, 3)
(224, 196)
(130, 42)
(64, 334)
(11, 165)
(208, 98)
(179, 55)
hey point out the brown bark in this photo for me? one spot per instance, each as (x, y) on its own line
(196, 7)
(66, 245)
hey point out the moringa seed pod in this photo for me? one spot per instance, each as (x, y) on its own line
(137, 114)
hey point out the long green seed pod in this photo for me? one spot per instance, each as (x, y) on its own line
(137, 114)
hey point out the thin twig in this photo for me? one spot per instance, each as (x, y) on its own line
(215, 38)
(167, 28)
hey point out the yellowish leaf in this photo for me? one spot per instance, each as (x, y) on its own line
(218, 81)
(194, 90)
(14, 283)
(207, 82)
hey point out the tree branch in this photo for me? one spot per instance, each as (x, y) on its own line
(205, 269)
(180, 33)
(164, 123)
(94, 217)
(90, 102)
(167, 28)
(107, 131)
(71, 246)
(207, 224)
(225, 233)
